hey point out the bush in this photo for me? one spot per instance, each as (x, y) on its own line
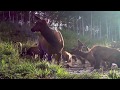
(71, 37)
(114, 74)
(14, 32)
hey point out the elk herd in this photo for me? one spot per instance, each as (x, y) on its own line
(51, 45)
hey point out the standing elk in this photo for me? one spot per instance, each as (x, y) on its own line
(98, 54)
(81, 47)
(51, 41)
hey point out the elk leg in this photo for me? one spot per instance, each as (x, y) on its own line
(58, 58)
(41, 54)
(49, 58)
(97, 62)
(82, 61)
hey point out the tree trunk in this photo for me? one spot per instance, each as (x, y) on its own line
(107, 28)
(3, 16)
(29, 17)
(83, 27)
(73, 24)
(100, 29)
(9, 15)
(119, 29)
(77, 26)
(91, 24)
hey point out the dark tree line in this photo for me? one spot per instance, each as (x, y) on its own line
(96, 24)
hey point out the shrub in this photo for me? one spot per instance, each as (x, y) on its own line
(114, 74)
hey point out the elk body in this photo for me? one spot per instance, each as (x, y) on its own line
(98, 54)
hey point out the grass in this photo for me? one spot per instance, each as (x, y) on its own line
(114, 74)
(12, 68)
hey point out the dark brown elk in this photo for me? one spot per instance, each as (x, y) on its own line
(81, 47)
(98, 54)
(51, 41)
(32, 52)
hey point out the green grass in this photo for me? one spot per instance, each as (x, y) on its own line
(114, 74)
(12, 68)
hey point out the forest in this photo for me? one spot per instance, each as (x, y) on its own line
(96, 24)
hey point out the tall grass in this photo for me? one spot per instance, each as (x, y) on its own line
(114, 74)
(12, 68)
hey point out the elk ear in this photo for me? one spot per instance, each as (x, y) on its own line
(80, 43)
(44, 22)
(37, 18)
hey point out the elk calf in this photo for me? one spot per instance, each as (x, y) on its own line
(32, 51)
(68, 57)
(81, 46)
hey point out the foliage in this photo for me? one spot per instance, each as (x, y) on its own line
(13, 32)
(71, 37)
(114, 74)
